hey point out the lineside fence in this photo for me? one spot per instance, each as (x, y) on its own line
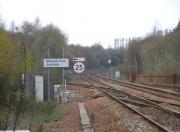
(173, 79)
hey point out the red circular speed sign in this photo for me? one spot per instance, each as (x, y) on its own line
(79, 67)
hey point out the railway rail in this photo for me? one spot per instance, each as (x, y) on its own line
(153, 97)
(163, 118)
(147, 100)
(144, 88)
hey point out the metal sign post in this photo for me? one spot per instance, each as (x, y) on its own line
(48, 80)
(52, 63)
(63, 67)
(78, 68)
(65, 85)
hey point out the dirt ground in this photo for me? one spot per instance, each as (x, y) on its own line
(105, 114)
(101, 117)
(71, 121)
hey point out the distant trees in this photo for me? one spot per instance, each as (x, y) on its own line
(157, 53)
(96, 56)
(11, 64)
(49, 37)
(5, 63)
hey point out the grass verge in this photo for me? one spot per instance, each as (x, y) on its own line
(40, 119)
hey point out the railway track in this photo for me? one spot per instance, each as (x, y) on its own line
(172, 103)
(163, 118)
(143, 88)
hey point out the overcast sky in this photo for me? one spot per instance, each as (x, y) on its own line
(89, 21)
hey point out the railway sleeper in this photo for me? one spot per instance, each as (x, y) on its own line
(135, 102)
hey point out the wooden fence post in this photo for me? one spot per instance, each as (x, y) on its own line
(174, 78)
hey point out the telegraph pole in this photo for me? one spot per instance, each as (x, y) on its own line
(19, 105)
(78, 76)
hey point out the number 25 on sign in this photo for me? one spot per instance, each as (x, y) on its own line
(78, 67)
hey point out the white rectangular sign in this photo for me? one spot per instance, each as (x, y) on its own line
(56, 62)
(78, 59)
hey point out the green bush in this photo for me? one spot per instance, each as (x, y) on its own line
(31, 106)
(39, 112)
